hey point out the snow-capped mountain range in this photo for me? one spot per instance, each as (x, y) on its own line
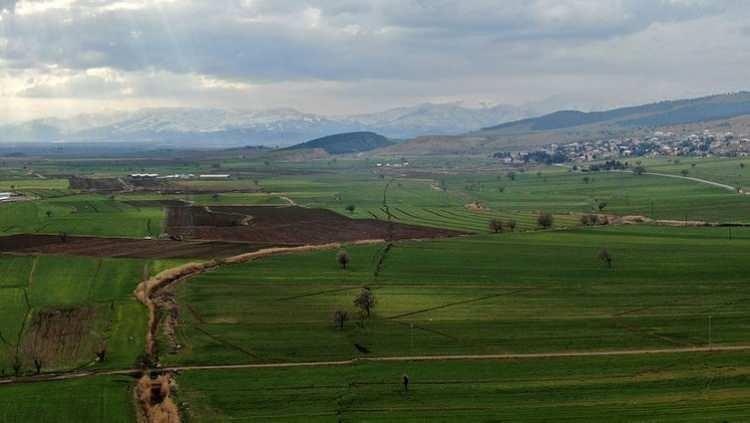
(187, 127)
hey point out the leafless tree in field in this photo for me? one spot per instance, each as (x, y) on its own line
(495, 225)
(545, 220)
(339, 318)
(342, 258)
(605, 256)
(365, 301)
(101, 352)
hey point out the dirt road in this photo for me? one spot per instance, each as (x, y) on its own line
(690, 178)
(669, 175)
(461, 357)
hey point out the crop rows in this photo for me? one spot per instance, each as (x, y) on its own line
(466, 220)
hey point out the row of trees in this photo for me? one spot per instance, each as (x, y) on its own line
(544, 220)
(365, 301)
(497, 225)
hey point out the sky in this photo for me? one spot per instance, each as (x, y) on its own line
(67, 57)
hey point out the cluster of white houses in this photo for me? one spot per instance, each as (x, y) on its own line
(659, 143)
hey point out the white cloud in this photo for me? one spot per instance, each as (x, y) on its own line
(345, 54)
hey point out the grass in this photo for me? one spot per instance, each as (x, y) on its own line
(668, 388)
(725, 170)
(33, 185)
(86, 214)
(61, 283)
(523, 292)
(534, 292)
(550, 189)
(97, 399)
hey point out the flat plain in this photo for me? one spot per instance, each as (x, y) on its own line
(530, 323)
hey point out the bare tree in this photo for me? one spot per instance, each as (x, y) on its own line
(365, 301)
(605, 256)
(101, 352)
(495, 225)
(342, 258)
(339, 318)
(545, 220)
(16, 364)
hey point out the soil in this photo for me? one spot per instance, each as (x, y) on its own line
(123, 247)
(285, 225)
(476, 206)
(95, 184)
(60, 335)
(156, 203)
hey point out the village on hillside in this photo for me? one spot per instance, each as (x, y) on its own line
(659, 143)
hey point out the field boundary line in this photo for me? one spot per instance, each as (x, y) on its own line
(459, 357)
(687, 178)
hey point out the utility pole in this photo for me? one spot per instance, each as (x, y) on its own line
(411, 345)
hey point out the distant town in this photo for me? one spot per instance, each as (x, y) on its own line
(660, 143)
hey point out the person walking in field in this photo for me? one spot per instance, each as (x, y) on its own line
(406, 383)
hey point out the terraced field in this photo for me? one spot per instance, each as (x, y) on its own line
(472, 220)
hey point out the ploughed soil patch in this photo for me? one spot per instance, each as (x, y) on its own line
(156, 203)
(60, 336)
(123, 247)
(284, 225)
(95, 184)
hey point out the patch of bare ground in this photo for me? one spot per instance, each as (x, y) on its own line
(637, 219)
(122, 247)
(284, 225)
(156, 203)
(476, 206)
(60, 336)
(96, 184)
(154, 398)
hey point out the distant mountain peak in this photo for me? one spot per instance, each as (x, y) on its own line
(212, 127)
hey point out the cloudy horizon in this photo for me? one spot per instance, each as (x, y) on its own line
(334, 57)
